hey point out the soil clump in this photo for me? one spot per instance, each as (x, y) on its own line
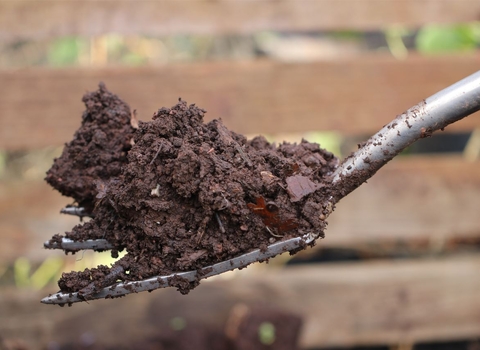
(98, 150)
(191, 194)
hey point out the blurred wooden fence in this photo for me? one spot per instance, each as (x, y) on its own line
(433, 200)
(27, 19)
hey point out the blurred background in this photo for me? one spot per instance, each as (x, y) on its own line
(400, 265)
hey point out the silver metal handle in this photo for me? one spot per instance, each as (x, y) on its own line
(436, 112)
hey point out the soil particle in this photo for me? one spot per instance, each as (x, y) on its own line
(354, 179)
(192, 194)
(182, 284)
(98, 150)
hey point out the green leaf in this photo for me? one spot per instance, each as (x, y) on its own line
(436, 39)
(65, 51)
(266, 333)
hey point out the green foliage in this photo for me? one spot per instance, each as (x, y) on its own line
(439, 39)
(178, 323)
(394, 37)
(266, 333)
(134, 59)
(328, 140)
(353, 35)
(66, 51)
(22, 272)
(3, 162)
(48, 271)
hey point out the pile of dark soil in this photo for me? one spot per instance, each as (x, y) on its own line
(98, 149)
(193, 194)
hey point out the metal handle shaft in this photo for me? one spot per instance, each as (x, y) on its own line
(436, 112)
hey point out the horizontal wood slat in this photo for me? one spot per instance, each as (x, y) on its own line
(412, 198)
(41, 107)
(29, 216)
(374, 303)
(26, 19)
(389, 302)
(424, 199)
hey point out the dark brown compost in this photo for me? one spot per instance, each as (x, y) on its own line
(192, 194)
(98, 150)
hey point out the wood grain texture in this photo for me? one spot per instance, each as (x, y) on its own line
(29, 216)
(383, 302)
(365, 303)
(428, 198)
(41, 107)
(27, 19)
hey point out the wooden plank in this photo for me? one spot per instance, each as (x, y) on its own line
(365, 303)
(376, 302)
(424, 199)
(32, 324)
(27, 19)
(42, 107)
(432, 198)
(30, 215)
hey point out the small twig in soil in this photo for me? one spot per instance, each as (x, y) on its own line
(105, 231)
(220, 224)
(273, 234)
(156, 154)
(201, 229)
(242, 153)
(224, 133)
